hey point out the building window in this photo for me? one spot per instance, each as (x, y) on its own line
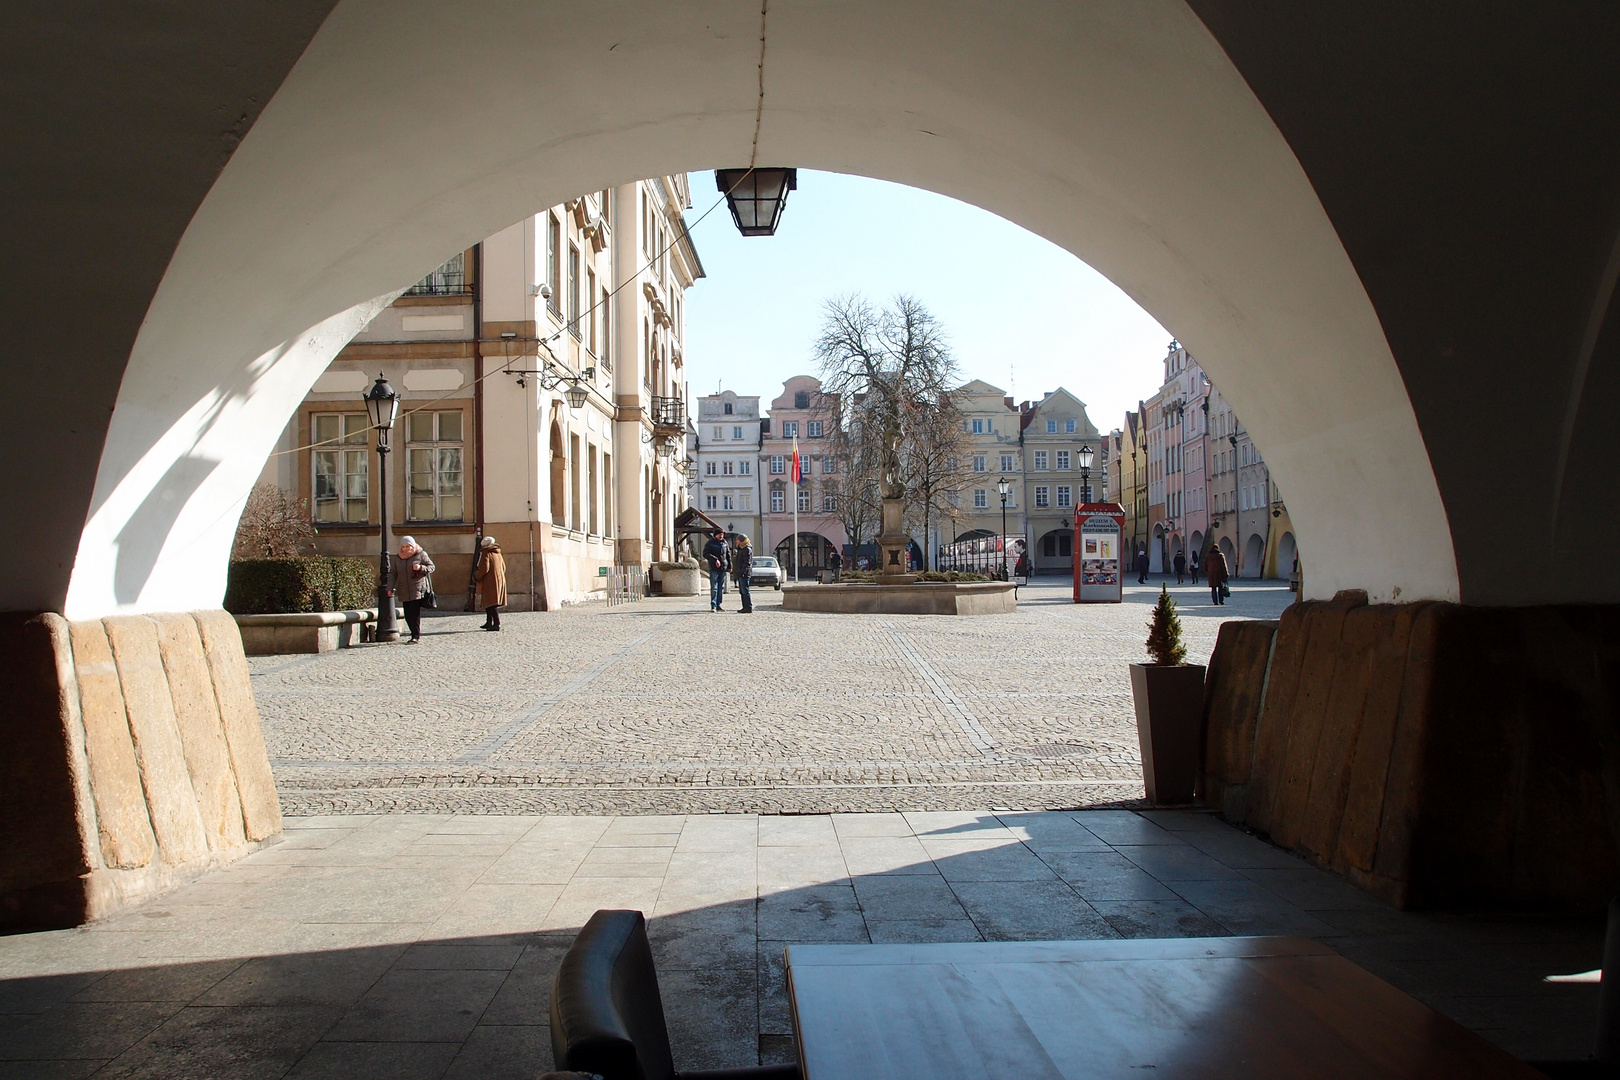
(709, 469)
(1041, 496)
(777, 502)
(720, 434)
(1006, 463)
(554, 263)
(801, 400)
(1065, 495)
(727, 468)
(435, 465)
(573, 290)
(726, 503)
(829, 504)
(1040, 460)
(736, 433)
(747, 500)
(1058, 545)
(709, 502)
(744, 467)
(804, 500)
(813, 429)
(981, 498)
(1063, 460)
(593, 342)
(829, 465)
(1051, 427)
(778, 464)
(1068, 426)
(728, 408)
(340, 472)
(978, 463)
(790, 429)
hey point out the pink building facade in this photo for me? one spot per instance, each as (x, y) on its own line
(801, 412)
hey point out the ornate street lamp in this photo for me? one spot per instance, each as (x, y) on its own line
(1003, 487)
(576, 394)
(1085, 470)
(383, 406)
(756, 196)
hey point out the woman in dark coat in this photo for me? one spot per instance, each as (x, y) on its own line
(1215, 567)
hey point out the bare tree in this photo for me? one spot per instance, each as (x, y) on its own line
(935, 454)
(891, 361)
(854, 483)
(273, 526)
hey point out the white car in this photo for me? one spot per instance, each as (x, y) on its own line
(767, 571)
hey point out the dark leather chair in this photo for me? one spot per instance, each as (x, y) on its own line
(607, 1016)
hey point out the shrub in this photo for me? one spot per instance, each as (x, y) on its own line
(297, 585)
(273, 525)
(1164, 632)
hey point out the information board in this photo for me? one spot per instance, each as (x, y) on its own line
(1099, 574)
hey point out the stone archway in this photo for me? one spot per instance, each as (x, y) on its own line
(1254, 557)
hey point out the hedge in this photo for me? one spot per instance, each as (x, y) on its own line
(288, 585)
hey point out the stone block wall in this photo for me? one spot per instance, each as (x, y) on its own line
(1436, 754)
(134, 761)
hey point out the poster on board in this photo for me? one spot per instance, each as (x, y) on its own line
(1099, 573)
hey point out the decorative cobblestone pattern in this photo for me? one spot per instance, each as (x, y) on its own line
(416, 945)
(662, 707)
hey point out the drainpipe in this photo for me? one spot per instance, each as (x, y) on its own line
(478, 422)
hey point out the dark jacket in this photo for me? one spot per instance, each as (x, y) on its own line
(742, 563)
(1215, 567)
(716, 556)
(1141, 562)
(1181, 563)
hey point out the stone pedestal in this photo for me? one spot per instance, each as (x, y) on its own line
(894, 545)
(133, 761)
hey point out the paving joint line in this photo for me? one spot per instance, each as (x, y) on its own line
(512, 729)
(977, 735)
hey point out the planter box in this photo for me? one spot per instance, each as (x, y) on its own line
(1169, 723)
(681, 581)
(305, 632)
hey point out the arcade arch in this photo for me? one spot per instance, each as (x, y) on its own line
(1254, 557)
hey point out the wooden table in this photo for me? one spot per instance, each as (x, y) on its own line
(1257, 1008)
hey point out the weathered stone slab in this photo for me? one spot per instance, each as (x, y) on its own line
(1234, 689)
(921, 598)
(202, 734)
(1271, 731)
(46, 850)
(171, 801)
(124, 828)
(1336, 744)
(227, 665)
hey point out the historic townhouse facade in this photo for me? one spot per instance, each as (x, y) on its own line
(585, 297)
(1052, 431)
(994, 450)
(727, 439)
(803, 413)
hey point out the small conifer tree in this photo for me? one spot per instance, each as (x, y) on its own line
(1164, 632)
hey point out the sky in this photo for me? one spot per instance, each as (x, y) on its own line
(1043, 321)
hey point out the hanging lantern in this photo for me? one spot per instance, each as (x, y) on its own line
(756, 196)
(576, 394)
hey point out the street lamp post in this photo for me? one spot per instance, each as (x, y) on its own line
(1003, 486)
(383, 406)
(1085, 471)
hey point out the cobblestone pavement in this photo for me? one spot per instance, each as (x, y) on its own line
(663, 707)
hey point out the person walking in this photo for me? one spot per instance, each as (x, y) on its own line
(1180, 563)
(835, 563)
(742, 568)
(1215, 570)
(717, 559)
(415, 583)
(1192, 568)
(491, 577)
(1141, 566)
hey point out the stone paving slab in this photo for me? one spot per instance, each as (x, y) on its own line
(424, 945)
(663, 707)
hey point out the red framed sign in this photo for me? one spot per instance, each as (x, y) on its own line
(1099, 567)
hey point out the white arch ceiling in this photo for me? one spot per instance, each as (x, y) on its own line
(1118, 130)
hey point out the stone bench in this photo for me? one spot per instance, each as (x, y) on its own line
(305, 632)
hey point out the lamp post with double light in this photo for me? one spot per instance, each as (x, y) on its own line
(383, 406)
(1003, 487)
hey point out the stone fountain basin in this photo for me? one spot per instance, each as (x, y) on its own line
(919, 598)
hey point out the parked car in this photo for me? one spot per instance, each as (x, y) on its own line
(767, 571)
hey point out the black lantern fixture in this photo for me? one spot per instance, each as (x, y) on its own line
(382, 404)
(576, 394)
(756, 196)
(1003, 488)
(1085, 456)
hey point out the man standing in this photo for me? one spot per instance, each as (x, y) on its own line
(1181, 566)
(742, 568)
(1141, 566)
(1215, 568)
(718, 560)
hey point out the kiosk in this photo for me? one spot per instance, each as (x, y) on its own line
(1099, 573)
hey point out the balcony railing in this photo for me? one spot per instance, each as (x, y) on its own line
(668, 413)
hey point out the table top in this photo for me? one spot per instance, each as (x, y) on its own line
(1255, 1007)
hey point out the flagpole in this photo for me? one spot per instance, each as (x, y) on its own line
(798, 476)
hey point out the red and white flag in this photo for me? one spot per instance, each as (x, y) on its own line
(798, 472)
